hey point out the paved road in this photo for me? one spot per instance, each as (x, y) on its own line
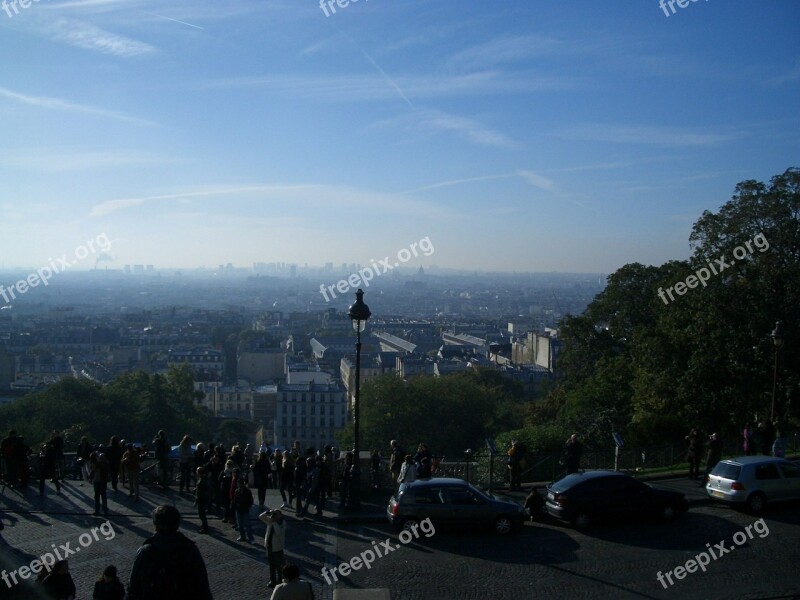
(607, 562)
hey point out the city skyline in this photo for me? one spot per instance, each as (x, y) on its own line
(517, 138)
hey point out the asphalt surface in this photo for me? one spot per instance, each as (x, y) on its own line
(613, 561)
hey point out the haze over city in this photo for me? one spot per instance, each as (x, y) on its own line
(517, 136)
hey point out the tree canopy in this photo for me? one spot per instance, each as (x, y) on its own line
(636, 358)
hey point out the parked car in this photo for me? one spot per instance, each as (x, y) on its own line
(450, 501)
(583, 498)
(752, 481)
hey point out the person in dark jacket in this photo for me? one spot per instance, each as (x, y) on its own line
(109, 587)
(58, 584)
(162, 450)
(114, 456)
(261, 473)
(713, 457)
(203, 496)
(168, 565)
(47, 467)
(694, 453)
(312, 486)
(242, 502)
(572, 454)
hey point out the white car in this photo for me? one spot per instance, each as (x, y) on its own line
(752, 481)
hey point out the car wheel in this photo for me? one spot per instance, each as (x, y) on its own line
(410, 525)
(503, 525)
(581, 520)
(756, 502)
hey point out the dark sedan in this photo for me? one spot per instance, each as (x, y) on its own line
(583, 498)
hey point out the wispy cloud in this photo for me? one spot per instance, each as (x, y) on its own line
(653, 136)
(89, 37)
(49, 103)
(45, 160)
(789, 77)
(368, 89)
(316, 195)
(508, 49)
(423, 122)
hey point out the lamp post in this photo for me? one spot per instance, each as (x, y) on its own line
(358, 313)
(777, 341)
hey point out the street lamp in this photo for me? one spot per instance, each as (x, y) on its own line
(777, 340)
(358, 313)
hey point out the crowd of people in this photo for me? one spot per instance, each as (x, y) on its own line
(766, 438)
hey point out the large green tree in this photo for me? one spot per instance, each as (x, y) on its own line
(636, 357)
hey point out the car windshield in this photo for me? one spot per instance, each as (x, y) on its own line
(727, 470)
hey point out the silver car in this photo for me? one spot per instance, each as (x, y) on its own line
(752, 481)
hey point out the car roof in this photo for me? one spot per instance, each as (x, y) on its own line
(752, 460)
(596, 474)
(438, 481)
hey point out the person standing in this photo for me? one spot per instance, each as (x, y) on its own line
(130, 464)
(98, 475)
(779, 445)
(748, 440)
(514, 466)
(242, 502)
(202, 498)
(47, 467)
(185, 457)
(274, 541)
(312, 486)
(21, 460)
(300, 469)
(694, 452)
(114, 455)
(8, 450)
(287, 476)
(162, 457)
(82, 457)
(261, 474)
(408, 472)
(572, 454)
(346, 482)
(713, 457)
(396, 459)
(58, 446)
(168, 564)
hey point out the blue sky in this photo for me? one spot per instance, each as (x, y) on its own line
(515, 135)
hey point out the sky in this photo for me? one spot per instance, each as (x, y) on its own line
(515, 136)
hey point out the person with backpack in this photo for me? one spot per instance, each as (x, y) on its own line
(130, 464)
(168, 565)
